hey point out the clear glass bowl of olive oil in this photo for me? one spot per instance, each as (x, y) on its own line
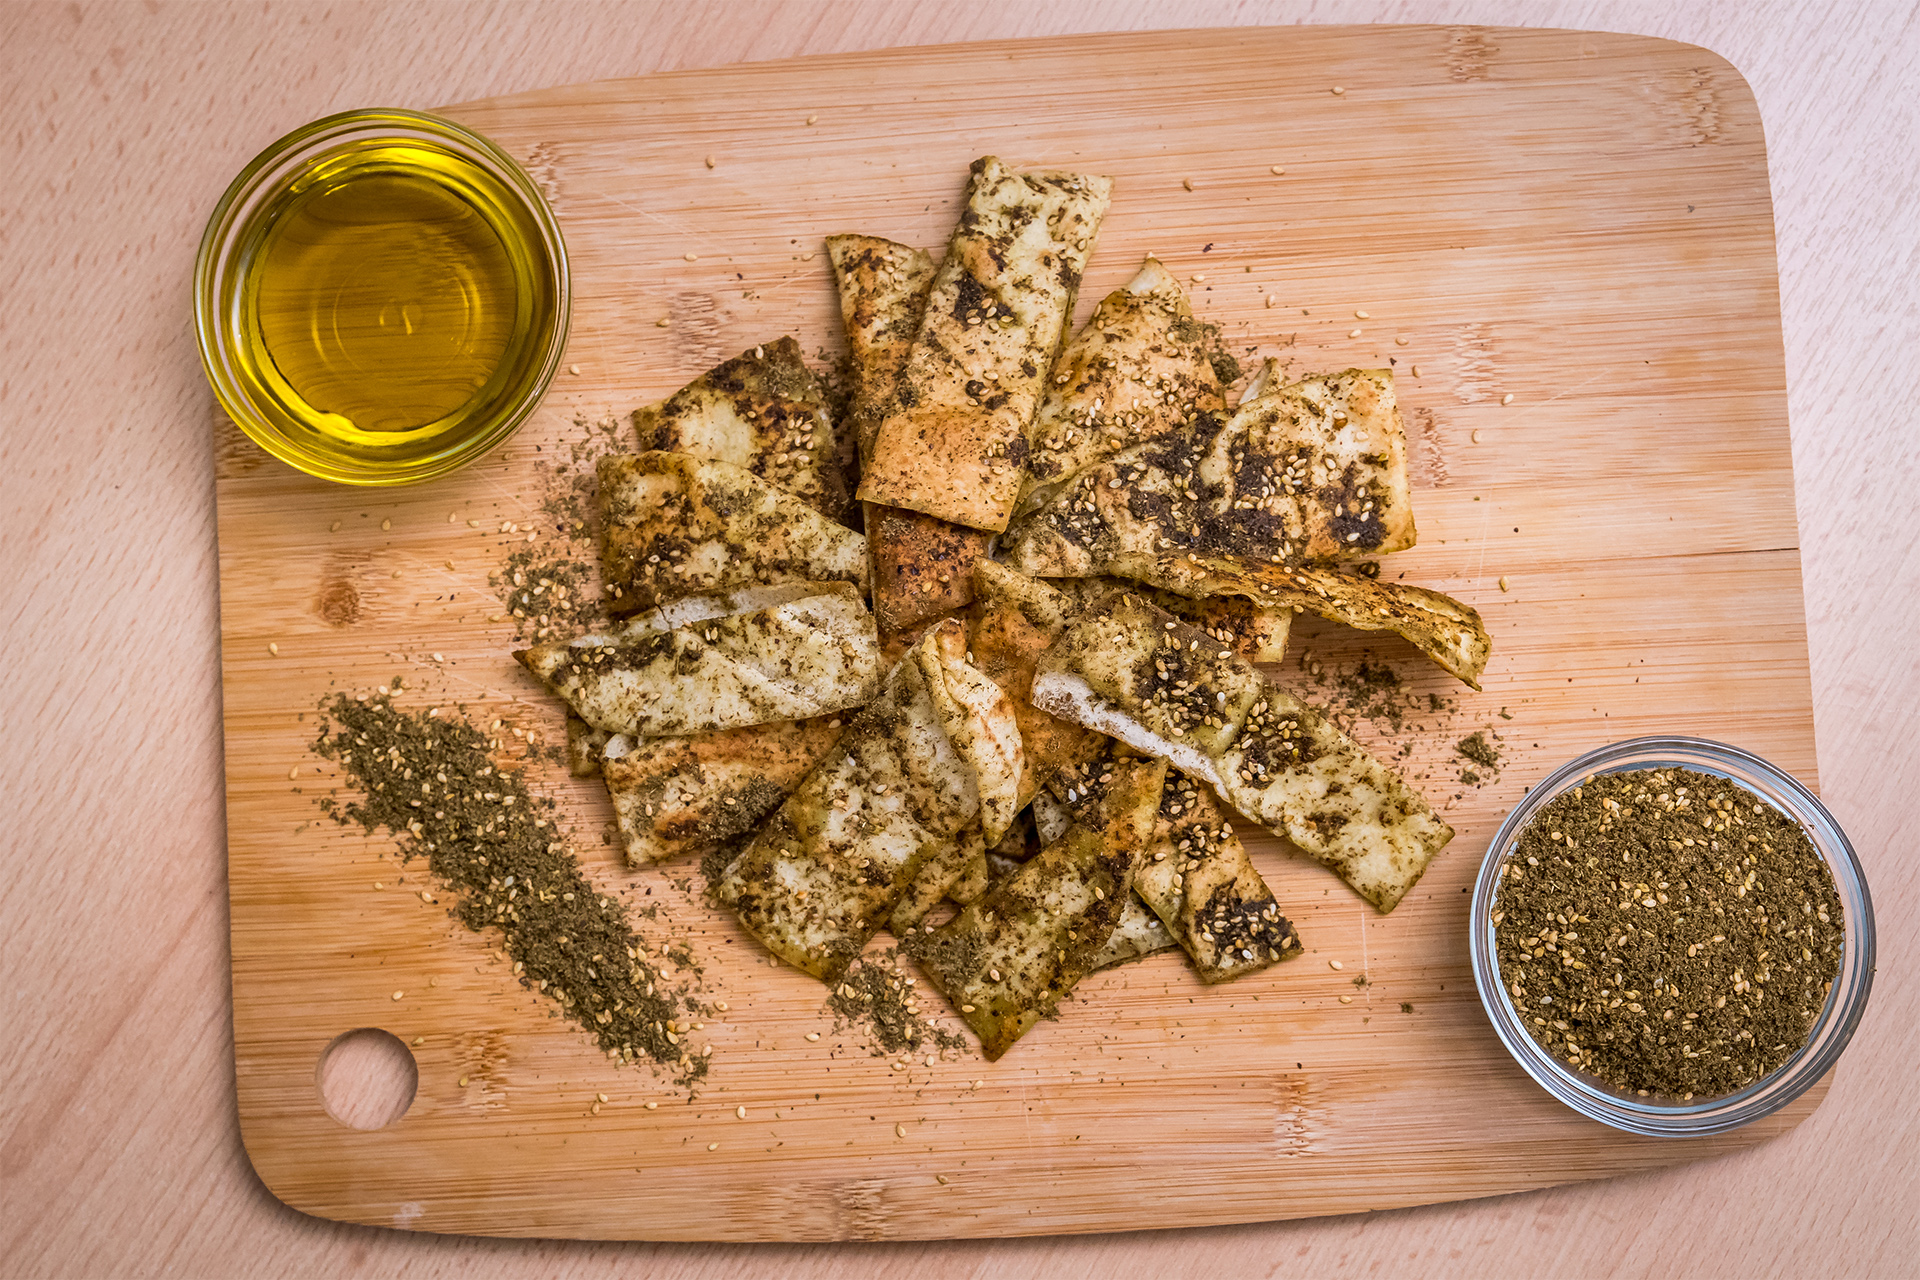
(381, 297)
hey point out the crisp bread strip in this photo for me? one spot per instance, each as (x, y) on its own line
(678, 525)
(1140, 368)
(1133, 671)
(955, 444)
(762, 410)
(1312, 471)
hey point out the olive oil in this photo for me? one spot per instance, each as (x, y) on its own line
(391, 307)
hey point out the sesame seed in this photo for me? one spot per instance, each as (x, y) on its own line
(1187, 183)
(573, 369)
(1400, 341)
(1353, 333)
(1415, 369)
(653, 1106)
(940, 1178)
(463, 1082)
(398, 994)
(710, 162)
(1339, 89)
(899, 1131)
(1476, 435)
(811, 119)
(1361, 315)
(1277, 170)
(1503, 582)
(693, 257)
(713, 1146)
(740, 1113)
(1346, 999)
(1199, 277)
(1271, 300)
(976, 1084)
(1335, 964)
(334, 527)
(661, 323)
(1507, 398)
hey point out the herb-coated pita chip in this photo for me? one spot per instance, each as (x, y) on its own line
(1141, 367)
(679, 526)
(955, 444)
(1439, 626)
(799, 650)
(1313, 471)
(1134, 672)
(883, 296)
(682, 796)
(1015, 619)
(1198, 878)
(1005, 960)
(827, 870)
(762, 410)
(1256, 633)
(939, 873)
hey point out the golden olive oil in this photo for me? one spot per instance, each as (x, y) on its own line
(394, 302)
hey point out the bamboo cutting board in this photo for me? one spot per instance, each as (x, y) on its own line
(1577, 221)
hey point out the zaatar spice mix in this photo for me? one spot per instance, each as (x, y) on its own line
(432, 782)
(1667, 931)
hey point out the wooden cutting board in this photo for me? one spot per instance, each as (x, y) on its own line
(1563, 240)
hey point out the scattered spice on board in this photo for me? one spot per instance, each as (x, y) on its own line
(1478, 750)
(550, 585)
(878, 998)
(431, 781)
(1667, 931)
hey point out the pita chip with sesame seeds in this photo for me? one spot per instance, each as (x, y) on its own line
(1315, 470)
(759, 656)
(954, 445)
(1133, 671)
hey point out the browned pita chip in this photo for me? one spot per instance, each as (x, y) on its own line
(955, 444)
(1014, 621)
(762, 410)
(1439, 626)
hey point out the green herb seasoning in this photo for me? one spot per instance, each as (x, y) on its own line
(877, 997)
(1667, 931)
(431, 781)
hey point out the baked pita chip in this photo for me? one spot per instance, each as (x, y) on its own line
(776, 653)
(883, 297)
(939, 875)
(1140, 368)
(1138, 674)
(584, 746)
(679, 796)
(920, 563)
(1138, 933)
(1005, 961)
(762, 410)
(677, 525)
(955, 444)
(827, 870)
(1313, 471)
(1015, 619)
(1198, 879)
(1439, 626)
(1255, 633)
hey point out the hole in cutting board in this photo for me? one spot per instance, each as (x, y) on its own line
(367, 1078)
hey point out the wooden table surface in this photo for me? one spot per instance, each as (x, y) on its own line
(119, 1148)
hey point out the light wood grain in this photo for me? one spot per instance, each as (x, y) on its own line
(119, 1143)
(1634, 495)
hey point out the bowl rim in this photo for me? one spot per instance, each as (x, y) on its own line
(1846, 1000)
(219, 240)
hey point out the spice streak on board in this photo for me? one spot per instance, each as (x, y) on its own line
(429, 779)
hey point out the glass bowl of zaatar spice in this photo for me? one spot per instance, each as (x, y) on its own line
(1672, 936)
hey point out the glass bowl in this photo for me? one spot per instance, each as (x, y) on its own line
(1845, 1003)
(445, 251)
